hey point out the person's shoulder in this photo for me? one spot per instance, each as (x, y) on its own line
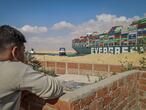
(14, 68)
(17, 65)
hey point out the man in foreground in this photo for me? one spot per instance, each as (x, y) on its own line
(16, 76)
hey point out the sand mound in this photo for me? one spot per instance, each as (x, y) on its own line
(96, 58)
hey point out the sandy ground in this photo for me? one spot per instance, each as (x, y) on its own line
(71, 82)
(96, 58)
(78, 78)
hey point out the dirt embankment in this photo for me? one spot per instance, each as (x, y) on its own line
(96, 58)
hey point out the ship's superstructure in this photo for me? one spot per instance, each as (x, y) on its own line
(117, 40)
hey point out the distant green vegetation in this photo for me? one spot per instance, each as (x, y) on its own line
(71, 54)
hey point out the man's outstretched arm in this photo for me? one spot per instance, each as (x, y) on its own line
(42, 85)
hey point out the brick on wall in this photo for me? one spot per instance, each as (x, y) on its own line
(142, 91)
(60, 68)
(85, 69)
(82, 68)
(60, 64)
(72, 68)
(72, 65)
(115, 68)
(85, 66)
(42, 63)
(100, 67)
(118, 95)
(115, 96)
(100, 70)
(51, 65)
(60, 71)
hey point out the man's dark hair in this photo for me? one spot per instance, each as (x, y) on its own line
(10, 36)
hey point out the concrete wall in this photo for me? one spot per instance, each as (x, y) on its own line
(82, 68)
(125, 91)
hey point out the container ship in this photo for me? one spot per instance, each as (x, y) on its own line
(117, 40)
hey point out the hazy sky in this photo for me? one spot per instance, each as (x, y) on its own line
(50, 24)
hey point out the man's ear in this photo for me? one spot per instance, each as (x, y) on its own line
(14, 52)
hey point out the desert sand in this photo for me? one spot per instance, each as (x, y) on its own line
(96, 58)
